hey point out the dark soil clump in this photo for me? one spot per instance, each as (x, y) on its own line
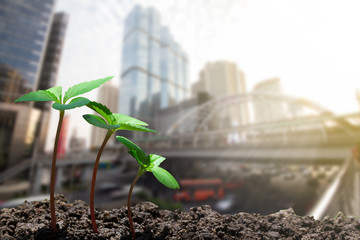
(31, 220)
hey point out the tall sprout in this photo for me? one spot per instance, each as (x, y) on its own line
(55, 94)
(112, 122)
(147, 163)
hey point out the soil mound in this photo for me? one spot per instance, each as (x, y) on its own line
(31, 220)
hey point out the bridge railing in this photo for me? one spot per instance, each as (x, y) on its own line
(340, 196)
(237, 138)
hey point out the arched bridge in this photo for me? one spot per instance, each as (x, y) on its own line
(254, 119)
(267, 127)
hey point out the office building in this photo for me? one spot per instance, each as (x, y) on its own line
(24, 29)
(108, 95)
(51, 63)
(219, 79)
(154, 71)
(49, 70)
(266, 110)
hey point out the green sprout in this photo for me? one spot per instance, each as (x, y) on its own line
(147, 163)
(55, 94)
(112, 122)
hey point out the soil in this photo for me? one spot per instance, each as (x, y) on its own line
(31, 220)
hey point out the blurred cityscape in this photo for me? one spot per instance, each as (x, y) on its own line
(234, 148)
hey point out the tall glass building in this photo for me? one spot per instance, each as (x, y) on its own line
(24, 28)
(154, 70)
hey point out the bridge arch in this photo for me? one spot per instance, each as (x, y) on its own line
(251, 104)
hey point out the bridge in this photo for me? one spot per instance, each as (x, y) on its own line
(301, 132)
(244, 126)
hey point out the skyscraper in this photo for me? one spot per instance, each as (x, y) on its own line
(49, 70)
(51, 63)
(266, 110)
(108, 95)
(154, 70)
(24, 28)
(222, 78)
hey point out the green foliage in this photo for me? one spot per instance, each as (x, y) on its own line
(114, 121)
(149, 163)
(165, 177)
(84, 87)
(38, 96)
(74, 103)
(133, 148)
(98, 121)
(124, 119)
(102, 110)
(55, 94)
(57, 91)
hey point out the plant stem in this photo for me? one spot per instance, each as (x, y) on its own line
(129, 205)
(92, 191)
(53, 174)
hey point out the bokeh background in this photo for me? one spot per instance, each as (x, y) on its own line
(256, 102)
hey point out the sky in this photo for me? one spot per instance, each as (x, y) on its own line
(312, 46)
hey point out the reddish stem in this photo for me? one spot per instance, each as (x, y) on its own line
(129, 206)
(53, 174)
(92, 191)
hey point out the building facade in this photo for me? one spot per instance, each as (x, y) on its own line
(154, 71)
(108, 95)
(49, 71)
(264, 109)
(24, 29)
(223, 78)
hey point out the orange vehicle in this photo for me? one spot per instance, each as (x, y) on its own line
(199, 190)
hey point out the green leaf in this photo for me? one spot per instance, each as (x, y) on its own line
(135, 154)
(122, 119)
(155, 160)
(56, 91)
(165, 177)
(84, 87)
(98, 121)
(132, 146)
(76, 102)
(103, 111)
(133, 127)
(37, 96)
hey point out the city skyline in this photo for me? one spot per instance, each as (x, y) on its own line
(313, 52)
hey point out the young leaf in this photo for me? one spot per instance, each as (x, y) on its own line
(135, 155)
(132, 146)
(102, 110)
(165, 177)
(37, 96)
(76, 102)
(122, 119)
(133, 127)
(155, 160)
(84, 87)
(56, 91)
(98, 121)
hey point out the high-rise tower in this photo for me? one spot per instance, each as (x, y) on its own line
(49, 70)
(265, 110)
(154, 67)
(222, 78)
(24, 29)
(108, 95)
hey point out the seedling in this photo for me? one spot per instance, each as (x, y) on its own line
(55, 94)
(112, 122)
(147, 163)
